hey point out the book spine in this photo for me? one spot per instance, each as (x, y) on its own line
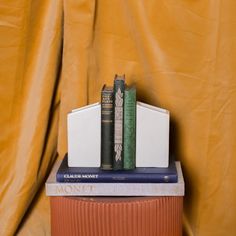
(120, 189)
(114, 178)
(107, 129)
(129, 128)
(119, 87)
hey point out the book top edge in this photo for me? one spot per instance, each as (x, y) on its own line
(129, 88)
(120, 77)
(107, 88)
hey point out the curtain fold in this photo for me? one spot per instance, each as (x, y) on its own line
(31, 42)
(56, 55)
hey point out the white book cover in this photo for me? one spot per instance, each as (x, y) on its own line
(54, 188)
(84, 136)
(152, 136)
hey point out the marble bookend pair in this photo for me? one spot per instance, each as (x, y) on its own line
(152, 136)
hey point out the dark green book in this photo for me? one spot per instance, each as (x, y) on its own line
(129, 128)
(119, 88)
(107, 128)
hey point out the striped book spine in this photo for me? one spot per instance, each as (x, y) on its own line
(119, 87)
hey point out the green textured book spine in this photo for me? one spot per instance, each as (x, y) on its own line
(130, 128)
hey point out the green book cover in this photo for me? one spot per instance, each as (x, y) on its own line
(129, 128)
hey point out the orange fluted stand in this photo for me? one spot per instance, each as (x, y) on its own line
(116, 216)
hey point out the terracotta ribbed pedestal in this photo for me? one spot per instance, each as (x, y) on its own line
(116, 216)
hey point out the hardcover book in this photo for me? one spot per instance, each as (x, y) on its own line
(119, 87)
(129, 128)
(107, 128)
(54, 188)
(97, 175)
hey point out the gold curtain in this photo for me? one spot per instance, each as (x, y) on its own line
(55, 56)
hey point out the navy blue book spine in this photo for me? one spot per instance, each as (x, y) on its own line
(114, 178)
(97, 175)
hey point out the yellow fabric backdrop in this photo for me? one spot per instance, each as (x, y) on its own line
(55, 56)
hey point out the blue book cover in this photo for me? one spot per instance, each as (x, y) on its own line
(97, 175)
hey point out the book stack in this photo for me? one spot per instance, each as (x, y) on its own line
(117, 141)
(114, 120)
(76, 181)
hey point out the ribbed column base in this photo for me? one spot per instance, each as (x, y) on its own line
(116, 216)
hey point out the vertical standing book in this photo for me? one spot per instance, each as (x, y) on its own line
(107, 128)
(119, 87)
(129, 127)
